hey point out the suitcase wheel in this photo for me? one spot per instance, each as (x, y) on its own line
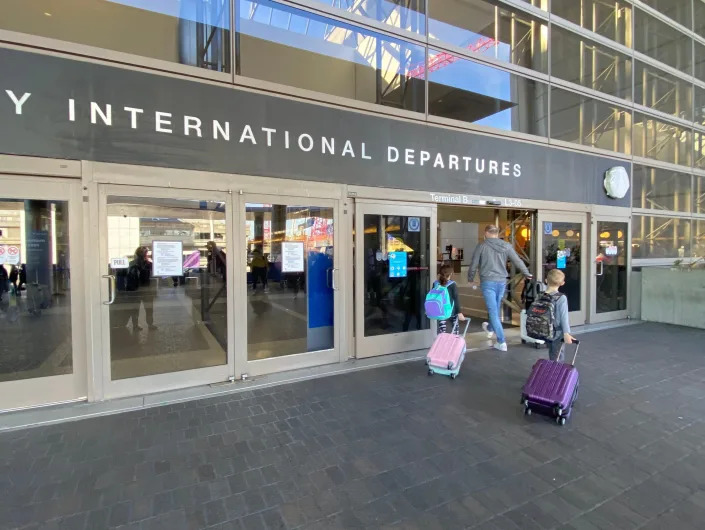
(430, 372)
(453, 376)
(560, 420)
(527, 411)
(523, 341)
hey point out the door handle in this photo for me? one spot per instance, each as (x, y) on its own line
(111, 288)
(335, 287)
(602, 268)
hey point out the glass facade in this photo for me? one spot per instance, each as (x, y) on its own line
(589, 64)
(468, 91)
(660, 237)
(194, 32)
(586, 121)
(661, 189)
(35, 290)
(600, 74)
(491, 29)
(608, 18)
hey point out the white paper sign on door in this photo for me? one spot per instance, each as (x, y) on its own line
(167, 258)
(292, 256)
(13, 255)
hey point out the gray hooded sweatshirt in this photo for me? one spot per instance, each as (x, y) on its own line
(490, 258)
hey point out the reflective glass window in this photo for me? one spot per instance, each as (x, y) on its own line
(561, 237)
(589, 64)
(661, 140)
(699, 238)
(35, 290)
(699, 194)
(699, 17)
(660, 237)
(661, 91)
(281, 44)
(609, 18)
(586, 121)
(699, 105)
(408, 15)
(541, 4)
(678, 10)
(397, 274)
(290, 279)
(661, 189)
(461, 89)
(191, 32)
(168, 257)
(662, 42)
(492, 29)
(699, 149)
(699, 61)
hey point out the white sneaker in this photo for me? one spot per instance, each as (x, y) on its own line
(486, 329)
(501, 346)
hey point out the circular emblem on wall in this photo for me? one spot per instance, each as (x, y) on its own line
(616, 182)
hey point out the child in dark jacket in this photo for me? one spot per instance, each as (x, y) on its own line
(444, 279)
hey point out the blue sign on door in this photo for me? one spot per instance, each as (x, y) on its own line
(397, 264)
(547, 228)
(561, 259)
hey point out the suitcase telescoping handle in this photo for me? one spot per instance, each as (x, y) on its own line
(467, 325)
(577, 345)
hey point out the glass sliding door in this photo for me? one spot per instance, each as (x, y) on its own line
(561, 241)
(166, 301)
(291, 278)
(42, 357)
(394, 268)
(610, 263)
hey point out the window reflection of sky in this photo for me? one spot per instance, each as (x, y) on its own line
(292, 27)
(216, 12)
(480, 79)
(464, 38)
(388, 12)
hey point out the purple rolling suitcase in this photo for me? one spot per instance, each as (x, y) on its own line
(552, 388)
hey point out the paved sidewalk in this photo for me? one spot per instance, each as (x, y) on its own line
(390, 448)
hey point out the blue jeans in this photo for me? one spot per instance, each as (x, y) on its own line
(494, 293)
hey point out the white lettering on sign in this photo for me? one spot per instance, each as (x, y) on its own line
(18, 102)
(103, 114)
(445, 198)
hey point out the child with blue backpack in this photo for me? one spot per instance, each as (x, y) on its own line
(445, 280)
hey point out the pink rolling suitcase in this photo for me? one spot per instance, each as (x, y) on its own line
(447, 353)
(552, 388)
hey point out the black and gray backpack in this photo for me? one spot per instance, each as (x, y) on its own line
(541, 317)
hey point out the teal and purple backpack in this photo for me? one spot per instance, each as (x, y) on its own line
(438, 304)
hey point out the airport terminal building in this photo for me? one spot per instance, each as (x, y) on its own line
(351, 148)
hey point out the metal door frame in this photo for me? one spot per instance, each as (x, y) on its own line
(169, 380)
(297, 360)
(393, 342)
(57, 388)
(577, 318)
(595, 218)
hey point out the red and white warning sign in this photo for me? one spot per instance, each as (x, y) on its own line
(12, 255)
